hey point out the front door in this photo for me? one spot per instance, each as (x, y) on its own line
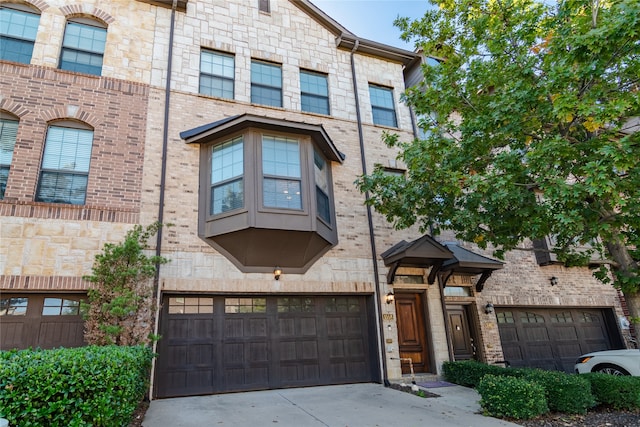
(412, 340)
(463, 345)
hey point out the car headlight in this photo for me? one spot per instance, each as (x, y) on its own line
(584, 359)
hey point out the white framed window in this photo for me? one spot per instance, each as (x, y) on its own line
(65, 166)
(382, 106)
(217, 72)
(83, 46)
(18, 30)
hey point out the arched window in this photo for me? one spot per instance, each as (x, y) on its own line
(65, 165)
(18, 29)
(83, 46)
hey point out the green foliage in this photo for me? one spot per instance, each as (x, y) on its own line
(527, 123)
(511, 397)
(86, 386)
(568, 393)
(615, 391)
(468, 373)
(120, 308)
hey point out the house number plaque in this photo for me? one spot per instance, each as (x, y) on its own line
(387, 316)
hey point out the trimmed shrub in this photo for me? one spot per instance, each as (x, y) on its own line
(511, 397)
(568, 393)
(468, 373)
(85, 386)
(617, 392)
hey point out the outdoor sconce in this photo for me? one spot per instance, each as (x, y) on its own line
(389, 298)
(553, 280)
(488, 308)
(276, 273)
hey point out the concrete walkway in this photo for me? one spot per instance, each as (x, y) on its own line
(352, 405)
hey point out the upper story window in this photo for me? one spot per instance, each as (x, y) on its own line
(282, 176)
(18, 29)
(382, 106)
(8, 133)
(314, 91)
(266, 83)
(65, 166)
(266, 194)
(217, 74)
(227, 172)
(83, 46)
(321, 172)
(264, 6)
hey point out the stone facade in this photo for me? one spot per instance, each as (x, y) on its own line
(51, 246)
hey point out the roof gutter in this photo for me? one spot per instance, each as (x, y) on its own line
(374, 255)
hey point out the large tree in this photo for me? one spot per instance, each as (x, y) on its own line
(528, 131)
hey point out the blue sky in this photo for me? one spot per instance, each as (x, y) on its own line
(373, 19)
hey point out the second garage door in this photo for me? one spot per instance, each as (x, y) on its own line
(215, 344)
(554, 338)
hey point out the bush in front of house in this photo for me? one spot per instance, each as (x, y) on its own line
(85, 386)
(511, 397)
(468, 373)
(568, 393)
(615, 391)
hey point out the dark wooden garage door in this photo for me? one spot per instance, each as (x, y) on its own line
(554, 338)
(36, 320)
(215, 344)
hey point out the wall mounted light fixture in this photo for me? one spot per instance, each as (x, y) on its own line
(389, 298)
(553, 280)
(488, 308)
(276, 273)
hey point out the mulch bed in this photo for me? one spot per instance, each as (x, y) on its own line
(598, 417)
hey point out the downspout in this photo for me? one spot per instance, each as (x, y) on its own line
(374, 255)
(163, 179)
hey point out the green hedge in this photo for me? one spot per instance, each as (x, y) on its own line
(86, 386)
(615, 391)
(568, 393)
(468, 373)
(504, 396)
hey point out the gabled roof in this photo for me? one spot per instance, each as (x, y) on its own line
(345, 39)
(422, 252)
(444, 260)
(468, 262)
(229, 125)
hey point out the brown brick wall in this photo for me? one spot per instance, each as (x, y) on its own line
(116, 110)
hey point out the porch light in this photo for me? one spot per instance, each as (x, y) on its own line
(488, 308)
(553, 280)
(389, 298)
(276, 273)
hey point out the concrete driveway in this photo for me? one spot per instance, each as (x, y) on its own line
(349, 405)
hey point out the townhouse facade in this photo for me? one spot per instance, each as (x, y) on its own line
(244, 125)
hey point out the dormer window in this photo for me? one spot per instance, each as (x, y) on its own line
(269, 198)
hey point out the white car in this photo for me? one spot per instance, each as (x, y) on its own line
(614, 362)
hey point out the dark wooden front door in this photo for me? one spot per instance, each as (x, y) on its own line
(460, 332)
(412, 341)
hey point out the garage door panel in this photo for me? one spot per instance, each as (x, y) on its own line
(12, 334)
(551, 338)
(60, 334)
(234, 328)
(512, 353)
(268, 342)
(538, 333)
(566, 333)
(258, 352)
